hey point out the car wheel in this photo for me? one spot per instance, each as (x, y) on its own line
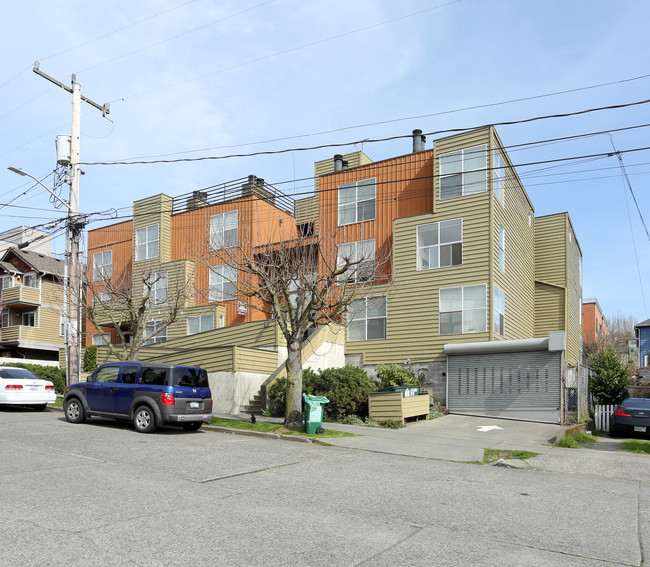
(144, 420)
(192, 425)
(40, 407)
(74, 411)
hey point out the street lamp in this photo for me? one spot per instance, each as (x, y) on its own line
(71, 284)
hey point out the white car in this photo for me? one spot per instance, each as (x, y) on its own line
(20, 387)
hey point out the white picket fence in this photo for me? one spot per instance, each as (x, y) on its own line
(601, 416)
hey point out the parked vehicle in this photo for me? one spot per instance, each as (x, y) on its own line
(632, 416)
(19, 386)
(150, 394)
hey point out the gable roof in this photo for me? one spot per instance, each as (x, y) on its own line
(37, 262)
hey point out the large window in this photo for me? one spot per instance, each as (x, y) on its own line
(6, 282)
(361, 255)
(99, 340)
(498, 176)
(199, 324)
(463, 172)
(499, 311)
(440, 244)
(222, 284)
(223, 230)
(159, 337)
(102, 265)
(147, 240)
(502, 248)
(156, 285)
(463, 310)
(367, 319)
(28, 319)
(357, 201)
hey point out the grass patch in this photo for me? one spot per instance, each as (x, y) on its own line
(272, 427)
(574, 440)
(636, 446)
(57, 404)
(493, 455)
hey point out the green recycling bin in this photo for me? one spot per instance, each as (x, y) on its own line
(314, 413)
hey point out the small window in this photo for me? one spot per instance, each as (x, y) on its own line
(99, 340)
(498, 176)
(199, 324)
(361, 255)
(6, 282)
(502, 248)
(30, 280)
(4, 320)
(155, 285)
(223, 230)
(440, 244)
(158, 337)
(102, 265)
(189, 376)
(499, 312)
(463, 172)
(367, 319)
(357, 201)
(29, 319)
(147, 242)
(222, 283)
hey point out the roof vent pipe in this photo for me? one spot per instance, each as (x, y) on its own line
(419, 141)
(338, 162)
(345, 164)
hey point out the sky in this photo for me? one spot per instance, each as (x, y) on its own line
(200, 78)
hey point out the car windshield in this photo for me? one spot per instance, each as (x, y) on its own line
(17, 373)
(195, 377)
(636, 403)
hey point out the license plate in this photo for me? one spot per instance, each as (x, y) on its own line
(195, 405)
(639, 428)
(33, 388)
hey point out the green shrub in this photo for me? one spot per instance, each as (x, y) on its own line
(394, 375)
(346, 389)
(52, 373)
(610, 385)
(90, 358)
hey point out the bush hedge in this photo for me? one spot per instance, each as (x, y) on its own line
(52, 373)
(346, 389)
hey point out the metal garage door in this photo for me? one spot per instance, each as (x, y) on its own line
(517, 385)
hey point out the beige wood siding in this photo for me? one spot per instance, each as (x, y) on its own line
(551, 249)
(549, 309)
(515, 214)
(574, 298)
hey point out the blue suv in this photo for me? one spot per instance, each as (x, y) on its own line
(149, 394)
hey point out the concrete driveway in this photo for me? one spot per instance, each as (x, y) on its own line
(451, 438)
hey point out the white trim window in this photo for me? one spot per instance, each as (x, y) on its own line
(31, 280)
(156, 284)
(440, 244)
(200, 324)
(224, 230)
(147, 242)
(463, 309)
(499, 312)
(159, 337)
(28, 319)
(4, 320)
(362, 256)
(101, 297)
(498, 176)
(99, 340)
(102, 265)
(367, 319)
(222, 284)
(463, 172)
(502, 248)
(62, 320)
(6, 282)
(357, 201)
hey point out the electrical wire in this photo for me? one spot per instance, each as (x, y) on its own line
(374, 140)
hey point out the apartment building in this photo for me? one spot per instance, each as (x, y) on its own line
(448, 237)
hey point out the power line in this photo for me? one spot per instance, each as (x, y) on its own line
(375, 140)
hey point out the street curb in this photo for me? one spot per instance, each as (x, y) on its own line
(249, 433)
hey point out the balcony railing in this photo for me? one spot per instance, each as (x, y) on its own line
(21, 294)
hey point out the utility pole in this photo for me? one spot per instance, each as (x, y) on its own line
(74, 228)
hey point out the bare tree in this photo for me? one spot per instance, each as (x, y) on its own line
(138, 314)
(300, 282)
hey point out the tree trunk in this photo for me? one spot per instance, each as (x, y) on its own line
(293, 411)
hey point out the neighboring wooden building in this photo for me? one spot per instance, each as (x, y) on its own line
(32, 305)
(594, 325)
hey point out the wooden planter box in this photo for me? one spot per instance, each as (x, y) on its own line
(392, 406)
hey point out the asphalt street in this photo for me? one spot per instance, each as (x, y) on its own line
(100, 493)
